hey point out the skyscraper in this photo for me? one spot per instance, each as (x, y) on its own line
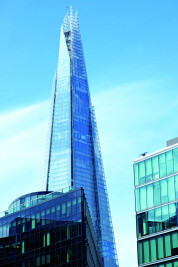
(156, 193)
(74, 151)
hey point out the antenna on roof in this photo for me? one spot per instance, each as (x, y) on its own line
(143, 154)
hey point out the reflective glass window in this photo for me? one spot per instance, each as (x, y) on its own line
(149, 195)
(151, 221)
(140, 253)
(63, 208)
(155, 166)
(162, 164)
(175, 264)
(48, 258)
(175, 156)
(167, 242)
(169, 162)
(137, 198)
(156, 187)
(160, 247)
(158, 219)
(148, 167)
(153, 249)
(43, 260)
(37, 261)
(165, 217)
(164, 191)
(176, 185)
(142, 172)
(171, 189)
(146, 251)
(48, 239)
(143, 204)
(174, 243)
(173, 216)
(136, 173)
(23, 247)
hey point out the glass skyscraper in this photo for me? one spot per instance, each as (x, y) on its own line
(156, 193)
(74, 150)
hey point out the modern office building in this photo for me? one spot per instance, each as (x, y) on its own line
(74, 150)
(48, 229)
(156, 193)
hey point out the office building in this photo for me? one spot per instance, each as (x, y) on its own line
(74, 151)
(156, 193)
(48, 229)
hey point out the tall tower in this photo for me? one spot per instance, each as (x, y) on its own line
(74, 150)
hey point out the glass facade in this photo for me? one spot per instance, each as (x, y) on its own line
(156, 167)
(57, 232)
(156, 196)
(74, 150)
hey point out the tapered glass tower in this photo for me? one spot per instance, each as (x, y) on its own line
(74, 150)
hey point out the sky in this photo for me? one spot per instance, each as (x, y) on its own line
(131, 55)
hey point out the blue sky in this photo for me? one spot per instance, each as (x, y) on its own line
(131, 56)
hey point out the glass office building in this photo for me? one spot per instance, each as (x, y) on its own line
(156, 194)
(74, 157)
(48, 229)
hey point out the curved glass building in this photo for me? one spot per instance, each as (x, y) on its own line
(49, 229)
(74, 150)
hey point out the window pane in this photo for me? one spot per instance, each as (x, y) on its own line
(23, 247)
(142, 172)
(175, 263)
(174, 243)
(158, 219)
(160, 247)
(142, 224)
(148, 170)
(136, 173)
(153, 249)
(140, 253)
(150, 195)
(169, 162)
(164, 191)
(48, 239)
(143, 198)
(172, 214)
(156, 187)
(155, 167)
(146, 252)
(171, 189)
(167, 242)
(176, 185)
(162, 164)
(137, 198)
(48, 258)
(63, 208)
(38, 261)
(165, 217)
(151, 221)
(175, 156)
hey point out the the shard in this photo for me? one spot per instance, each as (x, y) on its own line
(74, 150)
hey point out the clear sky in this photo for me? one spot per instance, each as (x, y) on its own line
(132, 60)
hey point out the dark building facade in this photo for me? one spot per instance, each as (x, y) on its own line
(156, 193)
(50, 229)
